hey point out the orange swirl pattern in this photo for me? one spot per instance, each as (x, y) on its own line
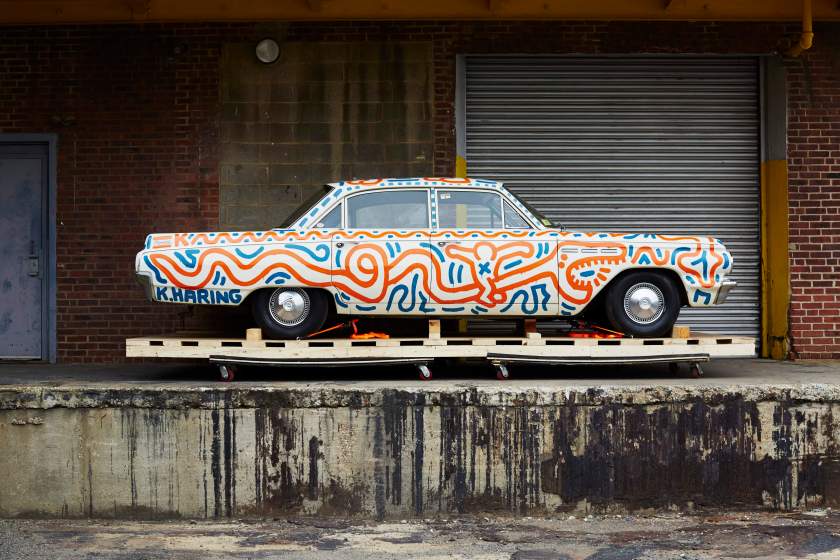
(545, 272)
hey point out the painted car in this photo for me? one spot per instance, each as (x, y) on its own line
(434, 247)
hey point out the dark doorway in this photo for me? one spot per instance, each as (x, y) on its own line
(26, 273)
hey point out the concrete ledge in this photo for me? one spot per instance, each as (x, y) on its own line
(321, 395)
(116, 448)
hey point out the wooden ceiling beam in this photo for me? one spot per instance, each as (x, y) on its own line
(120, 11)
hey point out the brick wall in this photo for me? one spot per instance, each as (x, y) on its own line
(138, 113)
(814, 192)
(135, 110)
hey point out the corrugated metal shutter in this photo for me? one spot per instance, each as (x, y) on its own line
(653, 144)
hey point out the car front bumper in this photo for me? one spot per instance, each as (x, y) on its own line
(146, 282)
(723, 292)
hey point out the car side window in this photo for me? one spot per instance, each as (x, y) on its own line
(513, 220)
(464, 209)
(332, 220)
(399, 209)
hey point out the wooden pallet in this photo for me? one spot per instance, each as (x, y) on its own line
(544, 349)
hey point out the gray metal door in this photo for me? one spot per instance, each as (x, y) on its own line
(23, 176)
(636, 144)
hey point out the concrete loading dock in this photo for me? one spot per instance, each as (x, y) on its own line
(156, 441)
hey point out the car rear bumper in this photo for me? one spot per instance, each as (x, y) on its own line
(723, 291)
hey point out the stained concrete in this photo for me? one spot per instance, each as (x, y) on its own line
(163, 441)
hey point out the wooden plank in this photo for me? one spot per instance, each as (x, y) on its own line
(681, 331)
(434, 328)
(338, 354)
(468, 347)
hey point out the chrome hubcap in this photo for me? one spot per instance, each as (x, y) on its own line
(644, 303)
(289, 307)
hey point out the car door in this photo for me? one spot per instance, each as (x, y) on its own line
(488, 259)
(381, 258)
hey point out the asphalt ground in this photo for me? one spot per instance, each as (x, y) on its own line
(706, 535)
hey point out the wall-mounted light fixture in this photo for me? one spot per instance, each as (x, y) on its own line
(267, 51)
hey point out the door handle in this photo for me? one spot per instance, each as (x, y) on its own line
(339, 244)
(33, 261)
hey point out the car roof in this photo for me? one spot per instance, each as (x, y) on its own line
(419, 182)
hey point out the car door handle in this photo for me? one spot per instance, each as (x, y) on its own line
(339, 244)
(444, 243)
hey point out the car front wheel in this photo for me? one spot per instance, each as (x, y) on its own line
(289, 312)
(643, 304)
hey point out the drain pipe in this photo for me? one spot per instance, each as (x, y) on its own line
(807, 37)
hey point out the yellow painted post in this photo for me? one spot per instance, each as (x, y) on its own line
(460, 166)
(775, 267)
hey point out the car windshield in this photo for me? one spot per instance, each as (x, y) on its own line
(305, 206)
(542, 218)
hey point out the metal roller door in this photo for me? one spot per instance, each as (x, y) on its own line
(635, 144)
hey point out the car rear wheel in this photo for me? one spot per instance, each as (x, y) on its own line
(643, 304)
(290, 312)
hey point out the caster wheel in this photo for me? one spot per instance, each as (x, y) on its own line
(674, 368)
(502, 373)
(696, 371)
(425, 372)
(226, 373)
